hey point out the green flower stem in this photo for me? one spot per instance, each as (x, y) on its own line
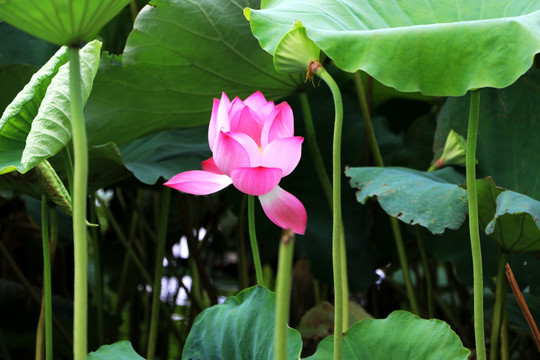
(3, 346)
(476, 250)
(253, 241)
(500, 294)
(368, 124)
(98, 277)
(129, 248)
(427, 272)
(46, 279)
(80, 176)
(30, 289)
(314, 148)
(505, 352)
(337, 243)
(241, 240)
(327, 188)
(156, 289)
(283, 293)
(377, 157)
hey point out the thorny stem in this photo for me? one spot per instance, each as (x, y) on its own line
(158, 273)
(283, 293)
(98, 276)
(500, 294)
(394, 222)
(316, 68)
(327, 188)
(46, 279)
(476, 250)
(80, 176)
(253, 241)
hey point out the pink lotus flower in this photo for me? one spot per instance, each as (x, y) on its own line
(253, 147)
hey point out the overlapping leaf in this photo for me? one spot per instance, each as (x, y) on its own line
(510, 218)
(401, 335)
(438, 47)
(36, 125)
(17, 119)
(240, 328)
(166, 154)
(432, 200)
(509, 120)
(180, 55)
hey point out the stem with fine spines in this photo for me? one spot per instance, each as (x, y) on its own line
(327, 188)
(377, 157)
(158, 273)
(283, 293)
(253, 241)
(80, 176)
(476, 250)
(316, 68)
(498, 310)
(46, 280)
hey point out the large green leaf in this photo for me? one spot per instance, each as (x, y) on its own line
(63, 22)
(121, 350)
(240, 328)
(180, 56)
(36, 125)
(401, 335)
(506, 147)
(432, 200)
(438, 47)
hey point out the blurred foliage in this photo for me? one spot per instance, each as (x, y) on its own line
(147, 118)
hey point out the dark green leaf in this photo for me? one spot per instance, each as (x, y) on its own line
(179, 57)
(506, 149)
(401, 335)
(432, 200)
(438, 47)
(240, 328)
(18, 47)
(166, 154)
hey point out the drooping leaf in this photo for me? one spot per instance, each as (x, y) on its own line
(51, 128)
(432, 200)
(505, 150)
(121, 350)
(179, 57)
(17, 119)
(36, 125)
(63, 22)
(438, 47)
(401, 335)
(166, 154)
(516, 224)
(240, 328)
